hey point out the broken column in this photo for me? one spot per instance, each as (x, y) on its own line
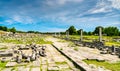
(100, 34)
(67, 34)
(55, 33)
(81, 34)
(113, 49)
(59, 34)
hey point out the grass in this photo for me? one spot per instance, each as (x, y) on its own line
(108, 39)
(3, 48)
(112, 43)
(107, 65)
(2, 65)
(37, 40)
(61, 49)
(71, 44)
(76, 48)
(59, 63)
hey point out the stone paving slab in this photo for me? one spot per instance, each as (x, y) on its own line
(51, 60)
(11, 64)
(55, 68)
(35, 69)
(44, 67)
(63, 66)
(23, 69)
(36, 63)
(7, 69)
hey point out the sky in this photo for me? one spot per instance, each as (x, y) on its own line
(59, 15)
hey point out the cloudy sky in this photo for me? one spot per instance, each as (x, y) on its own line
(58, 15)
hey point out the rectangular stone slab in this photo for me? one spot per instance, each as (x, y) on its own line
(35, 69)
(11, 64)
(53, 68)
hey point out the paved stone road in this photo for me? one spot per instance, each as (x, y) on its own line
(54, 61)
(82, 53)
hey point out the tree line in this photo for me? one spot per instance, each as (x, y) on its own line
(108, 31)
(13, 29)
(4, 28)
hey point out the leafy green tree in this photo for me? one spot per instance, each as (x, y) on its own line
(30, 32)
(119, 33)
(78, 32)
(3, 28)
(13, 30)
(96, 31)
(90, 33)
(85, 33)
(72, 30)
(111, 31)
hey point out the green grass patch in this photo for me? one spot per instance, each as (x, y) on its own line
(37, 40)
(2, 64)
(61, 49)
(61, 62)
(3, 48)
(76, 48)
(109, 39)
(107, 65)
(112, 43)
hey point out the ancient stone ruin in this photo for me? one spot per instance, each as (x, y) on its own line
(25, 53)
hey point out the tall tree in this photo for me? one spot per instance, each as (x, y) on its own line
(13, 30)
(96, 31)
(3, 28)
(111, 31)
(90, 33)
(72, 30)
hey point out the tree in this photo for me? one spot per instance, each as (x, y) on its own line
(119, 33)
(72, 30)
(90, 33)
(111, 31)
(3, 28)
(78, 32)
(96, 31)
(85, 33)
(13, 30)
(30, 32)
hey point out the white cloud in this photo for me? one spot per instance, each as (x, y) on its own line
(104, 6)
(9, 21)
(115, 4)
(23, 19)
(100, 10)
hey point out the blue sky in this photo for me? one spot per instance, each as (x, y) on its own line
(58, 15)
